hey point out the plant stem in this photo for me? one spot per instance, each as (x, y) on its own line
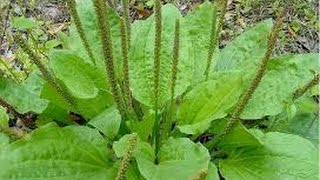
(244, 100)
(299, 92)
(174, 72)
(216, 28)
(157, 50)
(125, 67)
(105, 35)
(36, 60)
(76, 19)
(127, 157)
(48, 76)
(175, 59)
(126, 15)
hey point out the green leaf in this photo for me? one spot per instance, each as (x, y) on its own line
(212, 172)
(179, 157)
(208, 101)
(54, 113)
(133, 172)
(144, 128)
(24, 23)
(304, 123)
(89, 21)
(197, 25)
(25, 97)
(238, 137)
(283, 156)
(4, 139)
(48, 92)
(141, 61)
(120, 146)
(315, 90)
(51, 152)
(4, 118)
(246, 51)
(77, 75)
(88, 108)
(285, 74)
(52, 44)
(108, 122)
(87, 83)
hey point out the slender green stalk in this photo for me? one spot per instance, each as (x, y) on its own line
(299, 92)
(174, 72)
(47, 74)
(242, 103)
(126, 15)
(157, 50)
(105, 35)
(76, 19)
(36, 60)
(125, 67)
(2, 61)
(216, 28)
(127, 157)
(175, 59)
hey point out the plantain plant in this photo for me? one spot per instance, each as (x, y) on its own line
(158, 100)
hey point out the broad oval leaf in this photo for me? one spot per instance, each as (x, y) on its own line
(88, 108)
(303, 123)
(177, 158)
(208, 101)
(283, 156)
(197, 25)
(144, 127)
(246, 51)
(141, 58)
(25, 97)
(285, 74)
(108, 122)
(77, 75)
(51, 152)
(90, 25)
(238, 137)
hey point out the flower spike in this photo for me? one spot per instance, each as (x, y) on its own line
(76, 19)
(244, 100)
